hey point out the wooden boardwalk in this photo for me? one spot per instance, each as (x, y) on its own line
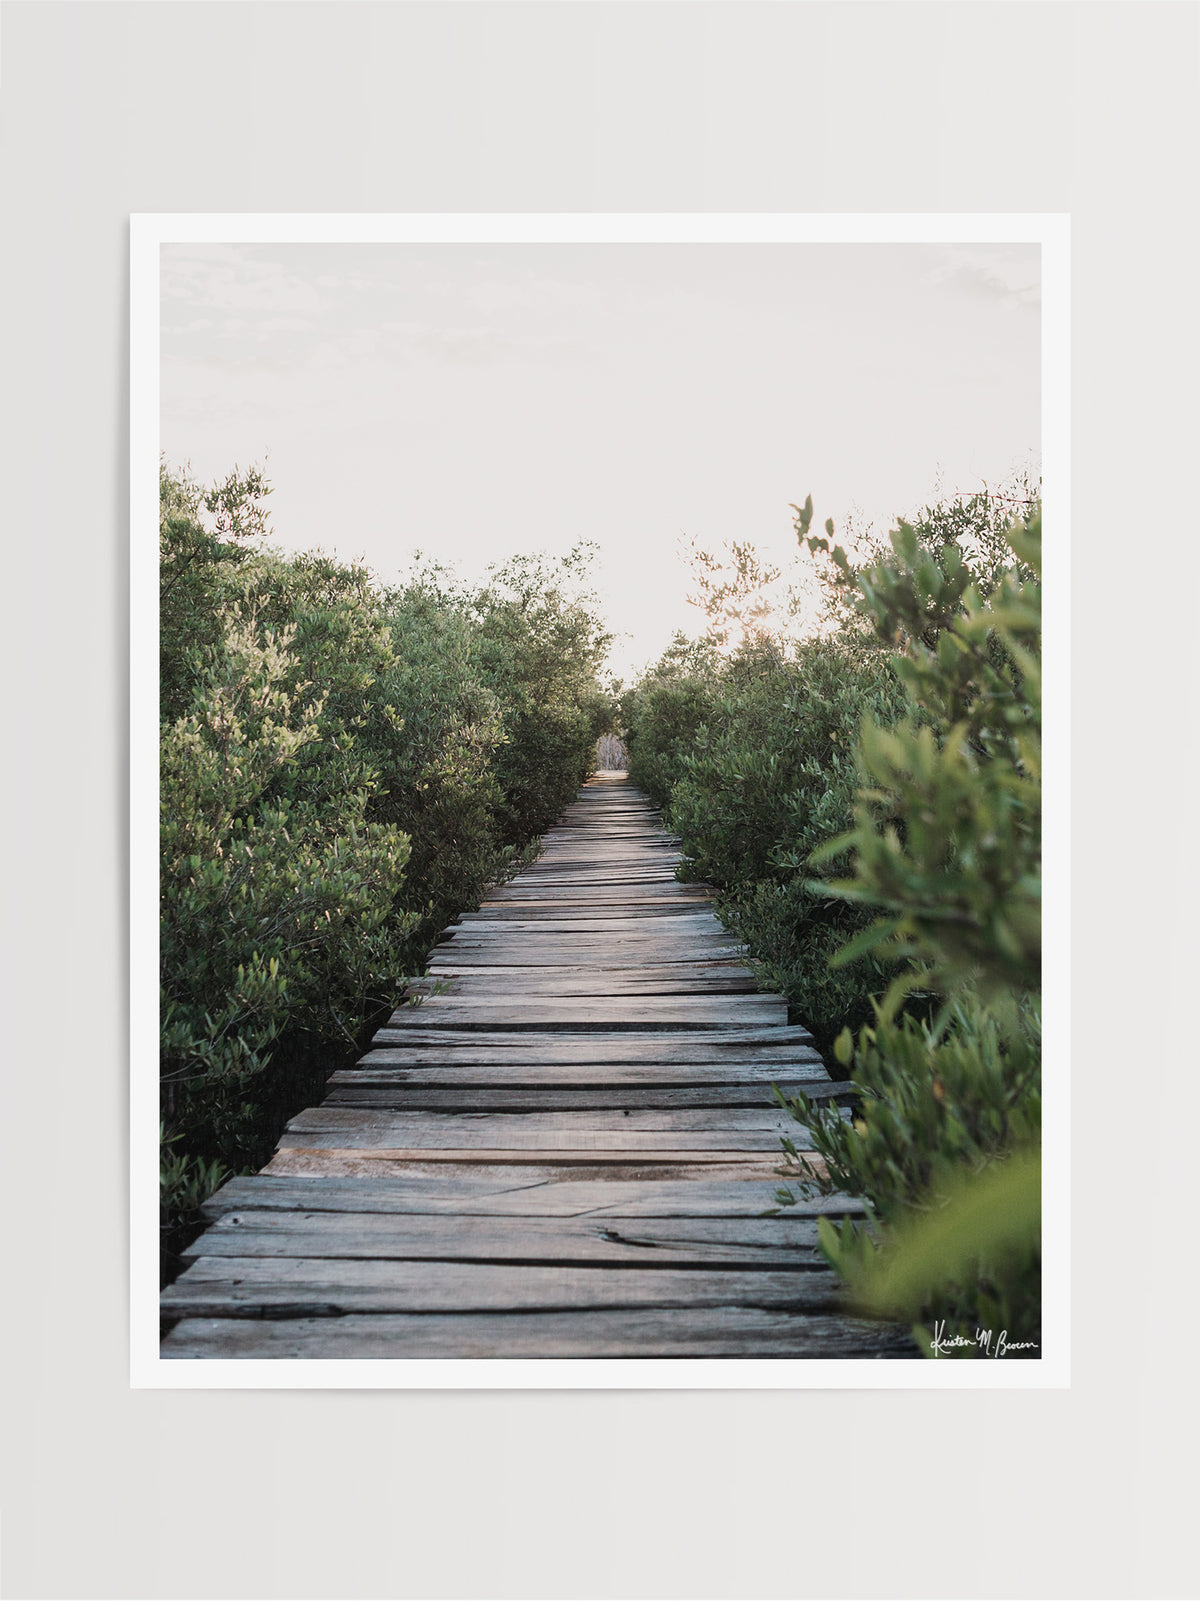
(565, 1150)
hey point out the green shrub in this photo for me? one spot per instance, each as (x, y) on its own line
(434, 731)
(753, 758)
(770, 778)
(948, 836)
(934, 1099)
(792, 937)
(276, 890)
(194, 557)
(946, 842)
(539, 645)
(662, 713)
(344, 768)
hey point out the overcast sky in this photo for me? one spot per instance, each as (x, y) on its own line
(477, 400)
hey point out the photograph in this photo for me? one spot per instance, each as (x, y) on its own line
(599, 809)
(594, 767)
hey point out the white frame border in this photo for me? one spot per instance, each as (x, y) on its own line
(148, 1370)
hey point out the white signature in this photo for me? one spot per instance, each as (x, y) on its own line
(987, 1343)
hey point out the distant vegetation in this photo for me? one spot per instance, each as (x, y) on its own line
(866, 803)
(345, 766)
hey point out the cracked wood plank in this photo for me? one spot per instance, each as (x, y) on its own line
(520, 1192)
(677, 1242)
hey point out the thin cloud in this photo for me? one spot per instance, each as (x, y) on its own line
(1010, 274)
(220, 278)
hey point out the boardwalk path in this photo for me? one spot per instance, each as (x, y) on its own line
(565, 1151)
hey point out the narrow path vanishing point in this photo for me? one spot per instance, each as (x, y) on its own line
(564, 1151)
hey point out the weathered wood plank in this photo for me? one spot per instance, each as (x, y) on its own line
(613, 869)
(220, 1286)
(584, 1013)
(625, 1138)
(470, 1082)
(629, 862)
(671, 916)
(548, 1125)
(599, 955)
(394, 1092)
(520, 1193)
(601, 1145)
(680, 944)
(729, 1332)
(690, 918)
(662, 896)
(679, 1242)
(324, 1154)
(496, 982)
(659, 1046)
(499, 1071)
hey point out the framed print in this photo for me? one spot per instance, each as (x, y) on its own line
(588, 800)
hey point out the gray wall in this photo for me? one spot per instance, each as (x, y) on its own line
(109, 109)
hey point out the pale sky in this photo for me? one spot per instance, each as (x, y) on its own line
(473, 401)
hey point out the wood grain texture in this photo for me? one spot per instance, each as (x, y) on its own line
(419, 1046)
(730, 1332)
(394, 1092)
(496, 1129)
(510, 983)
(563, 1143)
(541, 1166)
(274, 1286)
(676, 1242)
(518, 1193)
